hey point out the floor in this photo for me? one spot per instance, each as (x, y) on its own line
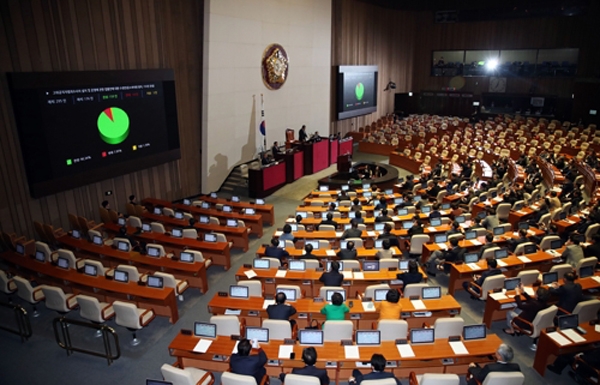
(41, 361)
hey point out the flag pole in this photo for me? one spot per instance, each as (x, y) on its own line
(263, 124)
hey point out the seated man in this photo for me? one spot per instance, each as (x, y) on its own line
(593, 250)
(503, 355)
(489, 243)
(383, 217)
(353, 231)
(412, 275)
(281, 310)
(569, 294)
(356, 206)
(574, 252)
(385, 252)
(377, 367)
(387, 234)
(308, 248)
(309, 357)
(328, 221)
(275, 251)
(287, 234)
(492, 270)
(491, 220)
(244, 363)
(333, 277)
(438, 257)
(513, 243)
(348, 253)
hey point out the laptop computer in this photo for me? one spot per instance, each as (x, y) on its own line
(153, 251)
(425, 209)
(146, 227)
(232, 223)
(407, 225)
(471, 257)
(209, 237)
(177, 233)
(235, 199)
(249, 211)
(302, 214)
(204, 219)
(261, 263)
(296, 265)
(379, 226)
(260, 201)
(569, 321)
(368, 337)
(499, 230)
(185, 256)
(470, 235)
(155, 282)
(310, 337)
(500, 254)
(586, 271)
(76, 234)
(123, 246)
(329, 293)
(90, 270)
(157, 211)
(259, 334)
(187, 202)
(403, 265)
(441, 238)
(380, 295)
(237, 291)
(460, 219)
(548, 278)
(402, 212)
(204, 329)
(433, 292)
(474, 332)
(371, 266)
(511, 283)
(523, 226)
(178, 215)
(323, 188)
(314, 244)
(62, 262)
(121, 276)
(227, 209)
(422, 336)
(290, 294)
(435, 222)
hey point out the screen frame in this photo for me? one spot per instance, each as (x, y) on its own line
(341, 71)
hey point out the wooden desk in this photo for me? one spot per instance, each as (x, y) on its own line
(361, 252)
(219, 252)
(428, 357)
(405, 162)
(541, 261)
(237, 235)
(514, 217)
(265, 180)
(567, 225)
(195, 272)
(161, 300)
(252, 310)
(548, 349)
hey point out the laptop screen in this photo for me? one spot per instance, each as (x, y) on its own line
(20, 248)
(347, 226)
(315, 244)
(40, 256)
(368, 337)
(398, 201)
(62, 262)
(378, 243)
(232, 223)
(294, 227)
(470, 235)
(425, 209)
(417, 198)
(523, 226)
(422, 336)
(290, 294)
(260, 201)
(296, 265)
(121, 276)
(213, 195)
(121, 221)
(157, 382)
(379, 226)
(90, 270)
(499, 230)
(146, 227)
(203, 329)
(261, 263)
(302, 214)
(389, 191)
(186, 257)
(341, 263)
(227, 209)
(376, 213)
(75, 234)
(548, 278)
(178, 215)
(562, 215)
(511, 283)
(351, 214)
(435, 222)
(98, 240)
(367, 194)
(209, 237)
(187, 202)
(407, 225)
(569, 321)
(586, 271)
(518, 206)
(494, 194)
(329, 293)
(441, 238)
(204, 219)
(434, 292)
(403, 264)
(323, 188)
(445, 206)
(371, 266)
(235, 199)
(460, 219)
(366, 186)
(345, 187)
(471, 257)
(556, 244)
(481, 214)
(380, 294)
(205, 205)
(236, 291)
(153, 251)
(502, 253)
(474, 332)
(310, 337)
(259, 334)
(249, 211)
(178, 233)
(402, 212)
(123, 246)
(155, 282)
(530, 249)
(157, 211)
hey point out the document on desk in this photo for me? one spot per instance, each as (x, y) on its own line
(524, 259)
(498, 296)
(351, 352)
(234, 350)
(418, 304)
(347, 274)
(281, 273)
(597, 279)
(250, 273)
(458, 347)
(202, 346)
(371, 233)
(330, 253)
(501, 263)
(431, 229)
(475, 242)
(268, 302)
(278, 233)
(405, 350)
(233, 311)
(473, 266)
(368, 306)
(559, 338)
(529, 290)
(338, 234)
(359, 275)
(285, 351)
(573, 335)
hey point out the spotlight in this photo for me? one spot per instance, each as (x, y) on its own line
(491, 64)
(410, 94)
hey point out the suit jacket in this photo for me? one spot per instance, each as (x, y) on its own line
(490, 222)
(569, 295)
(347, 254)
(252, 365)
(416, 230)
(383, 218)
(393, 239)
(280, 311)
(312, 371)
(592, 250)
(276, 252)
(529, 308)
(332, 278)
(410, 278)
(572, 254)
(375, 376)
(309, 256)
(480, 373)
(352, 233)
(326, 222)
(487, 273)
(485, 247)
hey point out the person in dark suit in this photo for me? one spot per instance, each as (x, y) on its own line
(333, 277)
(309, 357)
(438, 257)
(382, 204)
(280, 310)
(275, 251)
(244, 363)
(489, 243)
(409, 184)
(387, 234)
(412, 275)
(436, 211)
(513, 243)
(417, 227)
(569, 294)
(593, 250)
(504, 356)
(574, 252)
(275, 149)
(348, 253)
(353, 231)
(308, 248)
(356, 206)
(358, 218)
(328, 221)
(302, 136)
(378, 367)
(384, 217)
(492, 270)
(526, 310)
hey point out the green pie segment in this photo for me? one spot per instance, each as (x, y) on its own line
(113, 124)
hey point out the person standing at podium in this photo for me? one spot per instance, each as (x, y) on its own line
(302, 136)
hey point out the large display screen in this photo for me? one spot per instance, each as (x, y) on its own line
(76, 128)
(356, 91)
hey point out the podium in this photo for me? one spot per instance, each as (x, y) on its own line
(344, 162)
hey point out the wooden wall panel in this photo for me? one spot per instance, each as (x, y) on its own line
(78, 35)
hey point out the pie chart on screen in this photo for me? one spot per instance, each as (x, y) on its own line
(113, 124)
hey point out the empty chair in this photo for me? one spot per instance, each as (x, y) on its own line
(545, 219)
(504, 378)
(190, 233)
(489, 253)
(214, 221)
(7, 285)
(324, 244)
(587, 310)
(528, 277)
(520, 249)
(416, 244)
(157, 228)
(317, 202)
(133, 318)
(503, 211)
(227, 325)
(543, 319)
(590, 261)
(228, 378)
(392, 329)
(490, 283)
(326, 228)
(301, 379)
(134, 222)
(168, 212)
(370, 290)
(278, 329)
(386, 263)
(296, 289)
(169, 280)
(222, 238)
(255, 288)
(348, 265)
(448, 327)
(547, 241)
(187, 376)
(312, 264)
(561, 269)
(93, 310)
(57, 300)
(591, 231)
(289, 244)
(334, 331)
(433, 379)
(27, 293)
(507, 227)
(414, 289)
